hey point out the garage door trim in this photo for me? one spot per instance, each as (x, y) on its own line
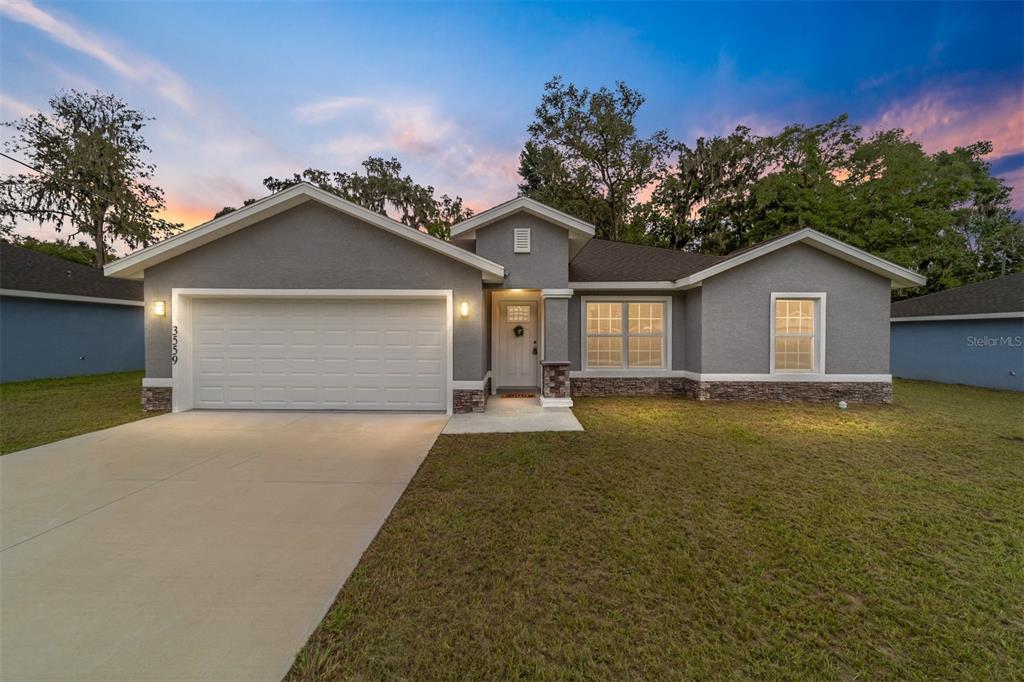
(181, 327)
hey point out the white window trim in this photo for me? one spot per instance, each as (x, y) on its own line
(745, 378)
(181, 320)
(819, 297)
(666, 351)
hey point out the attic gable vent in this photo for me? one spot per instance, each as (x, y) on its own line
(521, 240)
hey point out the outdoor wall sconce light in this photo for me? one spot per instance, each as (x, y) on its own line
(159, 308)
(464, 309)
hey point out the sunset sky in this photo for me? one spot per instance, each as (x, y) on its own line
(241, 91)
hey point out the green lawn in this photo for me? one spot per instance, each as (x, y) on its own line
(675, 539)
(37, 412)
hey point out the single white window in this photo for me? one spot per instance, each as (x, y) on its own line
(517, 313)
(624, 335)
(521, 240)
(797, 333)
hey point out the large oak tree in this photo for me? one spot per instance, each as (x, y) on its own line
(383, 188)
(942, 214)
(90, 176)
(586, 158)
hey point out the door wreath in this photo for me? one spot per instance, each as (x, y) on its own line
(518, 330)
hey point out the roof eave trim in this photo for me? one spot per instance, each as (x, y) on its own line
(531, 206)
(899, 276)
(623, 286)
(77, 298)
(966, 316)
(133, 265)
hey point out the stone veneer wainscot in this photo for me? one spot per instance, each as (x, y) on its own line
(807, 391)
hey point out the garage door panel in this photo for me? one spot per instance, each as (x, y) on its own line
(341, 354)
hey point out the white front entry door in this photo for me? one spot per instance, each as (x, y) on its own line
(319, 354)
(518, 355)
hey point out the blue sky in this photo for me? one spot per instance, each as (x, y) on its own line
(245, 90)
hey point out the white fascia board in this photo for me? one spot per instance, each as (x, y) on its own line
(20, 293)
(800, 377)
(623, 286)
(573, 225)
(632, 373)
(133, 265)
(971, 316)
(899, 276)
(556, 293)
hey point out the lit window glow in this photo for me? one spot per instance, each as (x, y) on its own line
(794, 335)
(624, 335)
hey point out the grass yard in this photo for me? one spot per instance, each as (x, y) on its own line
(676, 539)
(37, 412)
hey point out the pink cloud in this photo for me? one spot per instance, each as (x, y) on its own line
(433, 146)
(1015, 179)
(956, 116)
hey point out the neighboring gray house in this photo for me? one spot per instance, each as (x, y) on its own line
(305, 301)
(59, 318)
(971, 335)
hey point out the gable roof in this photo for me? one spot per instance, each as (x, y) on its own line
(639, 265)
(1002, 296)
(133, 265)
(26, 270)
(575, 226)
(898, 275)
(607, 261)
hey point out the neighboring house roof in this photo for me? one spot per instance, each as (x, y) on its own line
(28, 273)
(133, 265)
(609, 265)
(607, 261)
(999, 297)
(575, 226)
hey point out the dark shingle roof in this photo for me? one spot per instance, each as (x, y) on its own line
(606, 261)
(27, 270)
(999, 295)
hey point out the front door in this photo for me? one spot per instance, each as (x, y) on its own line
(518, 354)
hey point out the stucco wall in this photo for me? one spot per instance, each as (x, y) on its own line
(547, 264)
(986, 353)
(45, 338)
(556, 329)
(692, 346)
(315, 247)
(736, 312)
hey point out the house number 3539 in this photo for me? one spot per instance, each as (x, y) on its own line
(174, 345)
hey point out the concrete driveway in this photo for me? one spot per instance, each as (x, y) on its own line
(199, 546)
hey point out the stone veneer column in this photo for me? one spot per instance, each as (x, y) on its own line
(555, 388)
(156, 398)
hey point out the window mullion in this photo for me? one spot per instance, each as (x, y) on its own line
(624, 331)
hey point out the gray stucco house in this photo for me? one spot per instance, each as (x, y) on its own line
(971, 335)
(59, 318)
(305, 301)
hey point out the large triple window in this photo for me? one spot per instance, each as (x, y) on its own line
(625, 334)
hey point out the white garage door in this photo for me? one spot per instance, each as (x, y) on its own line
(372, 354)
